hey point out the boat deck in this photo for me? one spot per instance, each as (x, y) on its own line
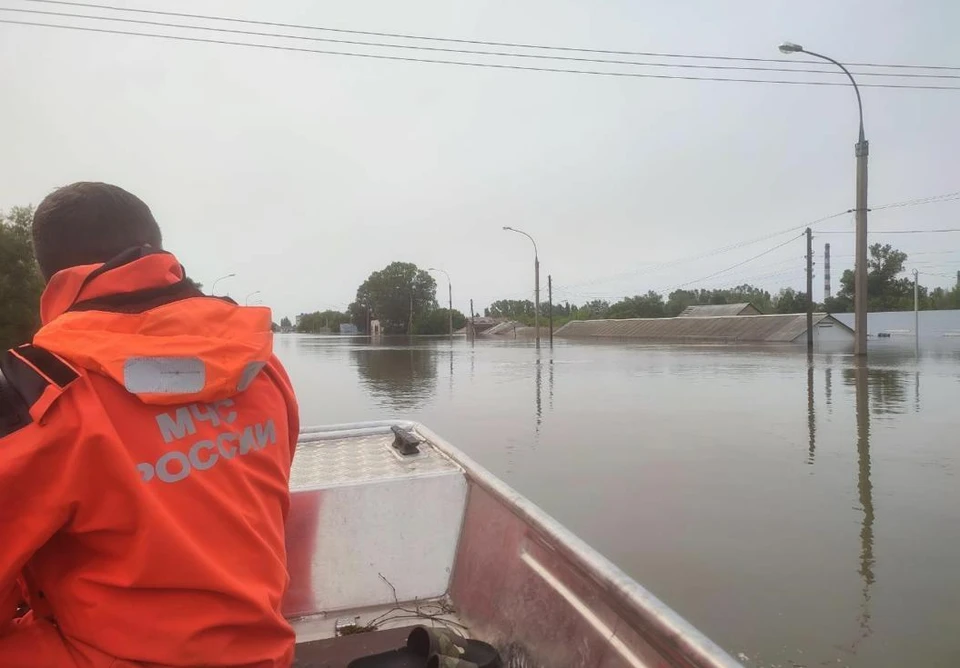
(392, 530)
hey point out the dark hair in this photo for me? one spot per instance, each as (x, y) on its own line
(90, 223)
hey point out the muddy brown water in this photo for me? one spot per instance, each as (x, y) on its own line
(800, 512)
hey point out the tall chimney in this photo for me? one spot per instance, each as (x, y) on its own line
(826, 272)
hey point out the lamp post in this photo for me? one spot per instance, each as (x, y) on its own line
(862, 151)
(246, 301)
(536, 280)
(449, 298)
(213, 290)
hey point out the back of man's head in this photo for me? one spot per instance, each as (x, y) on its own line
(90, 223)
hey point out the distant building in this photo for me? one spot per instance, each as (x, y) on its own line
(348, 328)
(713, 310)
(790, 328)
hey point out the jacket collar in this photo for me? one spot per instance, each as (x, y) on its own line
(134, 270)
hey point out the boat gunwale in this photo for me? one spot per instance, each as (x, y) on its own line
(648, 615)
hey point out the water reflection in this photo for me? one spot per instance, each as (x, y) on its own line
(916, 391)
(811, 415)
(551, 376)
(887, 388)
(451, 367)
(399, 378)
(538, 382)
(865, 487)
(539, 391)
(828, 385)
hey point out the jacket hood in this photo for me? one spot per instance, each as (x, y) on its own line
(141, 323)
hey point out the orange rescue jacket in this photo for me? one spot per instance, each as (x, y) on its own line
(146, 439)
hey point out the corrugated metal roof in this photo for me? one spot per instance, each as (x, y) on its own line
(724, 329)
(713, 310)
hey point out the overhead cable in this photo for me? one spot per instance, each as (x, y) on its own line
(474, 52)
(475, 64)
(432, 38)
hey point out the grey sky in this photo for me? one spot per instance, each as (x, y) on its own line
(303, 173)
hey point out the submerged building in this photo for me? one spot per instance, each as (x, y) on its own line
(713, 310)
(730, 329)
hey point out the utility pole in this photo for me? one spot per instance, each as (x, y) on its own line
(410, 324)
(550, 302)
(473, 322)
(809, 289)
(916, 308)
(450, 306)
(827, 291)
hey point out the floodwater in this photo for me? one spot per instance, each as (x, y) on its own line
(799, 512)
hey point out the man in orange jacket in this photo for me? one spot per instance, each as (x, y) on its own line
(146, 439)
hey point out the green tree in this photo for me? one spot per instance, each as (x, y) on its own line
(319, 322)
(790, 301)
(886, 290)
(515, 309)
(594, 310)
(397, 295)
(750, 294)
(649, 305)
(285, 323)
(939, 298)
(20, 280)
(678, 300)
(437, 322)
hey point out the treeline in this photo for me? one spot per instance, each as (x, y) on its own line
(20, 281)
(888, 287)
(401, 296)
(651, 305)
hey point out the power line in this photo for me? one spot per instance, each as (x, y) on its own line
(935, 199)
(499, 66)
(941, 231)
(909, 253)
(741, 244)
(517, 45)
(739, 264)
(474, 52)
(711, 253)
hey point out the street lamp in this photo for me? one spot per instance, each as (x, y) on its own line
(246, 301)
(536, 280)
(449, 298)
(862, 151)
(213, 290)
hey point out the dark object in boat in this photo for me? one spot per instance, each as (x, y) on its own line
(340, 652)
(423, 643)
(406, 442)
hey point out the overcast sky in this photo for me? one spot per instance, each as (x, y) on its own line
(302, 173)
